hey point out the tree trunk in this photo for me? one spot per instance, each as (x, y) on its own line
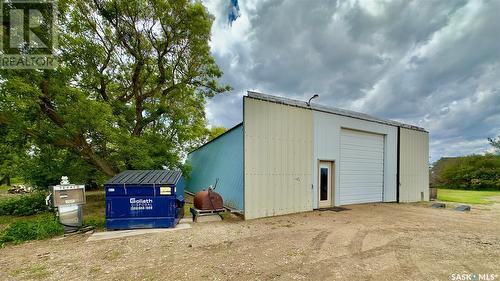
(79, 144)
(91, 157)
(6, 180)
(101, 164)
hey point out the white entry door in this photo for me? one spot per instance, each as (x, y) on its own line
(325, 181)
(361, 169)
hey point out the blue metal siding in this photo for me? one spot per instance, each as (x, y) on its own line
(223, 159)
(179, 189)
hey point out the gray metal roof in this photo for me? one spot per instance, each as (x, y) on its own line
(166, 177)
(333, 110)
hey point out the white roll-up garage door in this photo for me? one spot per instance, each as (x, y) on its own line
(361, 167)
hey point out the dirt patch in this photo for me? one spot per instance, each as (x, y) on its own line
(372, 241)
(494, 199)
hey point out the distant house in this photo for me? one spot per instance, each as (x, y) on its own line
(287, 156)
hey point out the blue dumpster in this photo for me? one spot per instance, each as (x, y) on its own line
(144, 199)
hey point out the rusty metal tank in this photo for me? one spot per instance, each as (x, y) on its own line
(208, 200)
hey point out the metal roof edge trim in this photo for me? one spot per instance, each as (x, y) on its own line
(331, 110)
(219, 136)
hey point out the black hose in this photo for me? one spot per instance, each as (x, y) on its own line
(210, 198)
(70, 226)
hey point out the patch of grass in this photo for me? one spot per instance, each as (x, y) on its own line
(94, 210)
(5, 221)
(187, 212)
(98, 196)
(295, 252)
(38, 272)
(95, 270)
(467, 196)
(98, 222)
(5, 188)
(32, 272)
(226, 216)
(113, 255)
(15, 228)
(37, 228)
(16, 272)
(24, 205)
(16, 180)
(230, 217)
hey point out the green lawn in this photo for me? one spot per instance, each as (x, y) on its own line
(6, 220)
(468, 196)
(4, 188)
(94, 209)
(21, 228)
(3, 191)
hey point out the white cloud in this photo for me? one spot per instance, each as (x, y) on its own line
(434, 64)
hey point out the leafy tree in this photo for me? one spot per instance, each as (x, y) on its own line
(215, 132)
(8, 163)
(129, 91)
(495, 142)
(11, 151)
(477, 172)
(45, 166)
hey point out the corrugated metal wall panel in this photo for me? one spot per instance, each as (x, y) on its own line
(414, 165)
(361, 167)
(278, 153)
(327, 129)
(222, 158)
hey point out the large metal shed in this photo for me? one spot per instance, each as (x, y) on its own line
(298, 157)
(144, 199)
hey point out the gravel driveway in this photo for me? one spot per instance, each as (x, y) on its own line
(371, 241)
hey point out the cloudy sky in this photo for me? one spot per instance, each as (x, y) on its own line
(435, 64)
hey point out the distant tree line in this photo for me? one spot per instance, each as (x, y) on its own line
(473, 172)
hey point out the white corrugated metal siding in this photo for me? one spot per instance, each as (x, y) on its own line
(278, 153)
(361, 167)
(414, 166)
(327, 128)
